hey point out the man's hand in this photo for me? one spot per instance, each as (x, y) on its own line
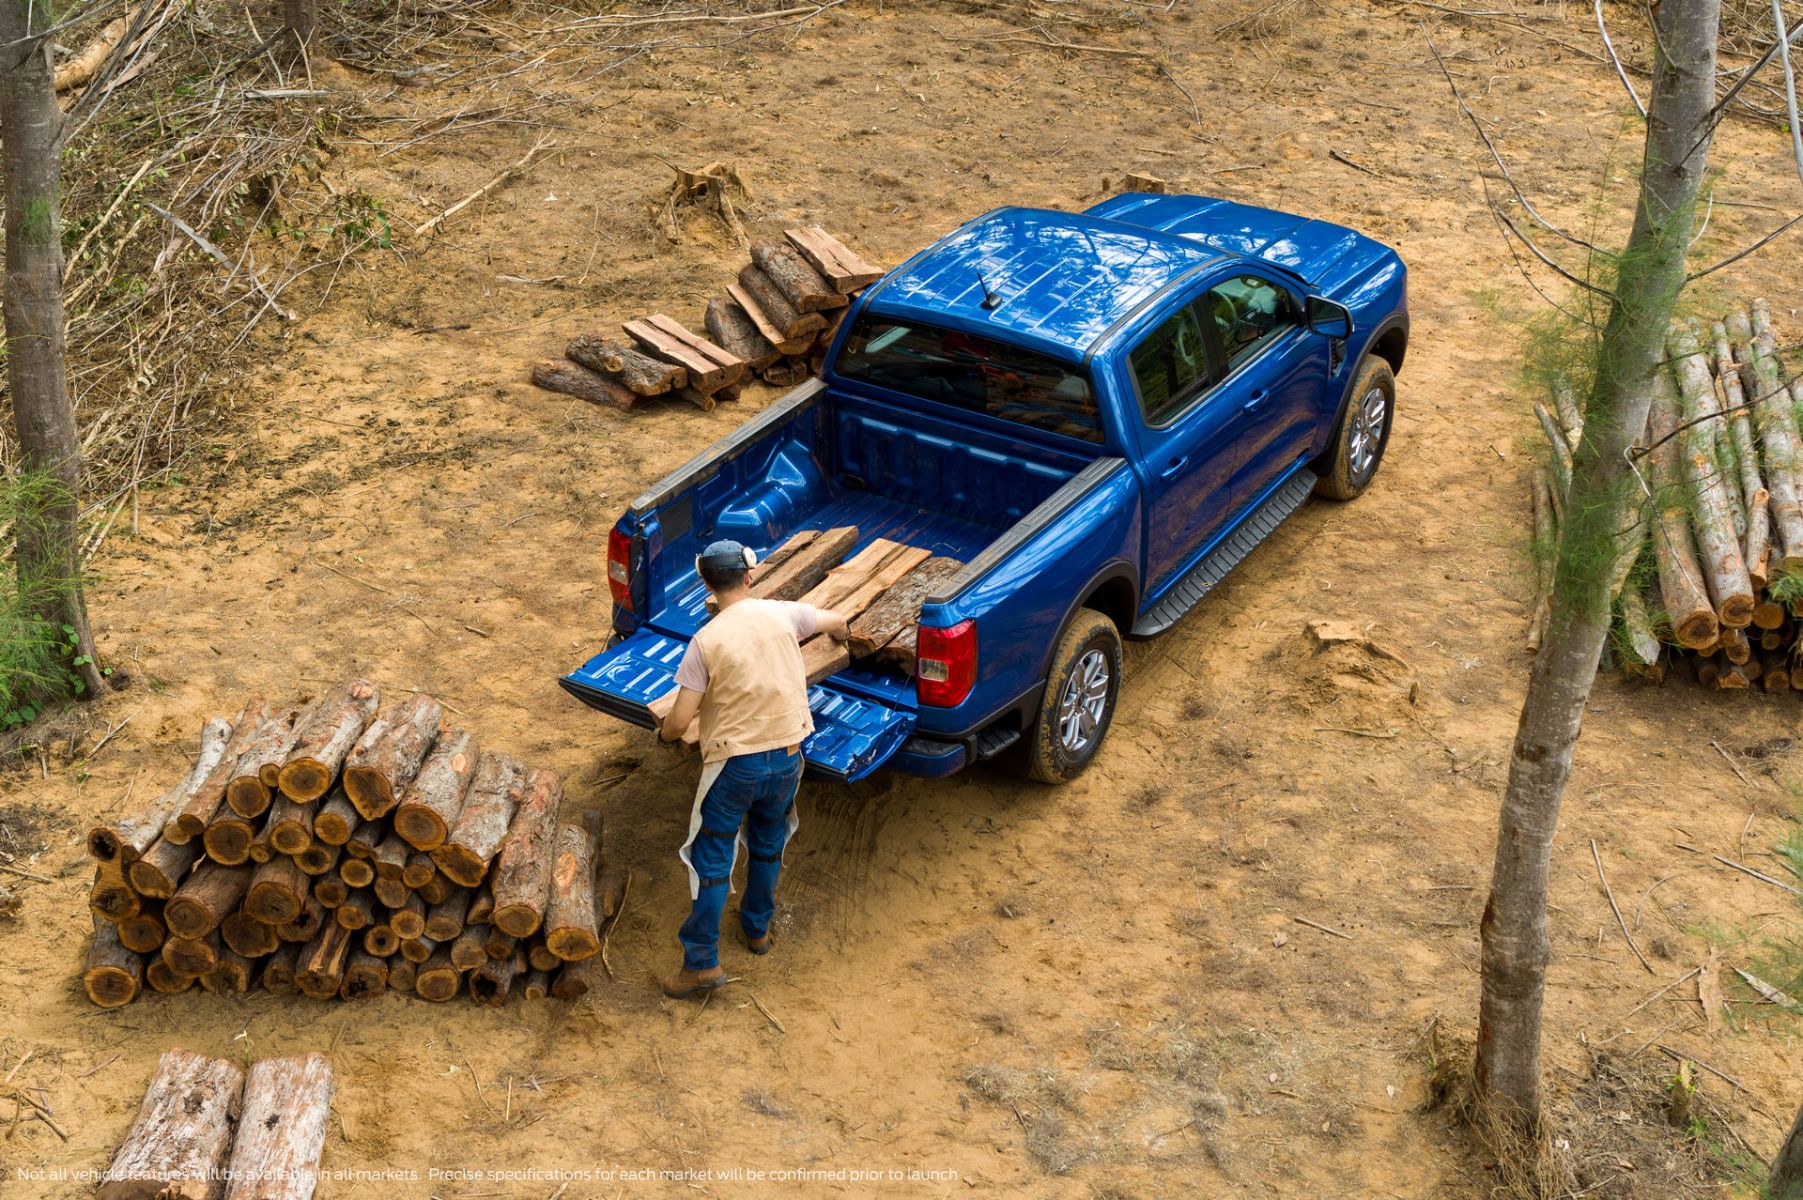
(680, 716)
(833, 624)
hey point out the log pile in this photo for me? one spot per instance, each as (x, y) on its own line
(206, 1129)
(774, 321)
(346, 849)
(879, 590)
(1708, 578)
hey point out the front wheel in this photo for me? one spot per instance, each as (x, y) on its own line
(1078, 705)
(1358, 444)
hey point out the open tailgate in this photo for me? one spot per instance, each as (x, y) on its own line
(853, 735)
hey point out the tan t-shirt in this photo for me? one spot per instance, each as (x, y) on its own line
(754, 688)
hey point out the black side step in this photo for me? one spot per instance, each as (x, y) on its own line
(992, 742)
(1202, 578)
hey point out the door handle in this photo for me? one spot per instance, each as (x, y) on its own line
(1255, 399)
(1173, 467)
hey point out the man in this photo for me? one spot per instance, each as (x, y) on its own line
(743, 677)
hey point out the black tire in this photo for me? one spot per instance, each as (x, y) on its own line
(1059, 749)
(1358, 445)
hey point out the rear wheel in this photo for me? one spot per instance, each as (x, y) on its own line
(1358, 444)
(1081, 688)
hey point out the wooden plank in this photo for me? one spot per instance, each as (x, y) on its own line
(845, 581)
(705, 375)
(790, 322)
(730, 326)
(804, 570)
(899, 607)
(842, 266)
(734, 365)
(801, 539)
(893, 569)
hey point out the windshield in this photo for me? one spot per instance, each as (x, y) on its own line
(972, 372)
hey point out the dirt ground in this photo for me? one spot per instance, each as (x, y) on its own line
(1119, 988)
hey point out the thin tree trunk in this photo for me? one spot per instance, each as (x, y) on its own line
(1604, 491)
(300, 18)
(43, 420)
(1786, 1182)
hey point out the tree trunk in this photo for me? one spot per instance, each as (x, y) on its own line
(300, 18)
(230, 976)
(282, 1129)
(278, 970)
(320, 968)
(487, 809)
(204, 899)
(336, 820)
(246, 934)
(178, 1141)
(1712, 489)
(1786, 1181)
(255, 776)
(305, 927)
(490, 981)
(389, 754)
(113, 973)
(46, 557)
(192, 956)
(194, 814)
(569, 928)
(125, 839)
(365, 976)
(1513, 929)
(278, 891)
(522, 871)
(144, 933)
(445, 919)
(438, 978)
(162, 868)
(471, 947)
(332, 729)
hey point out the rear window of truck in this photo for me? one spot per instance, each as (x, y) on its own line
(974, 373)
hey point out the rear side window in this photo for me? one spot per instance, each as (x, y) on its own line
(1170, 365)
(974, 373)
(1249, 311)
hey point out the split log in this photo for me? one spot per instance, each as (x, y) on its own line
(257, 770)
(640, 373)
(113, 974)
(800, 572)
(287, 1102)
(278, 891)
(204, 899)
(438, 978)
(381, 940)
(1693, 619)
(126, 839)
(230, 976)
(419, 949)
(574, 379)
(278, 970)
(768, 327)
(228, 839)
(164, 981)
(850, 587)
(357, 911)
(332, 728)
(409, 920)
(500, 944)
(1765, 391)
(490, 981)
(364, 841)
(289, 828)
(537, 984)
(392, 893)
(248, 935)
(320, 969)
(521, 881)
(161, 870)
(444, 920)
(710, 367)
(389, 754)
(730, 328)
(192, 956)
(402, 975)
(482, 906)
(702, 400)
(786, 373)
(357, 872)
(1756, 549)
(305, 927)
(176, 1146)
(899, 607)
(471, 947)
(365, 976)
(844, 267)
(436, 889)
(418, 871)
(800, 283)
(487, 809)
(574, 979)
(336, 819)
(145, 932)
(569, 925)
(1724, 570)
(195, 813)
(540, 958)
(318, 858)
(756, 289)
(788, 548)
(434, 799)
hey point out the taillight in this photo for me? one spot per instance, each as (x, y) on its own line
(619, 568)
(945, 664)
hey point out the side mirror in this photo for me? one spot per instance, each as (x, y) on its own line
(1329, 319)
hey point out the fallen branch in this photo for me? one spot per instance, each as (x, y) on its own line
(1614, 908)
(542, 143)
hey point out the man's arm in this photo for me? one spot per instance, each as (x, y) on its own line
(680, 716)
(833, 624)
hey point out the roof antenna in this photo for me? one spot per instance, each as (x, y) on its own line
(991, 299)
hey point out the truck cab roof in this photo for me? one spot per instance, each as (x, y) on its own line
(1056, 282)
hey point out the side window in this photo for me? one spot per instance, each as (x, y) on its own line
(1248, 311)
(1169, 365)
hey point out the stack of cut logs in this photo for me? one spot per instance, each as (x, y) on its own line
(776, 321)
(1709, 582)
(338, 850)
(207, 1129)
(879, 590)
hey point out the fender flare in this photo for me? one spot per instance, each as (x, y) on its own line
(1393, 321)
(1116, 570)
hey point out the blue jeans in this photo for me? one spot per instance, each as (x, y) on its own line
(757, 791)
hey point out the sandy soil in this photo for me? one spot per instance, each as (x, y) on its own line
(980, 985)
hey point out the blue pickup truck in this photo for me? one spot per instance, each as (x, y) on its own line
(1098, 414)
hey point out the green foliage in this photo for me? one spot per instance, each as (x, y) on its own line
(358, 220)
(39, 659)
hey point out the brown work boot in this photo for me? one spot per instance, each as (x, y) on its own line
(758, 945)
(686, 983)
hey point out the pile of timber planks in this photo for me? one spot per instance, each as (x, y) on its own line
(879, 589)
(1709, 580)
(346, 849)
(775, 321)
(205, 1128)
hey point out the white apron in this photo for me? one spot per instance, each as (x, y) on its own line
(710, 772)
